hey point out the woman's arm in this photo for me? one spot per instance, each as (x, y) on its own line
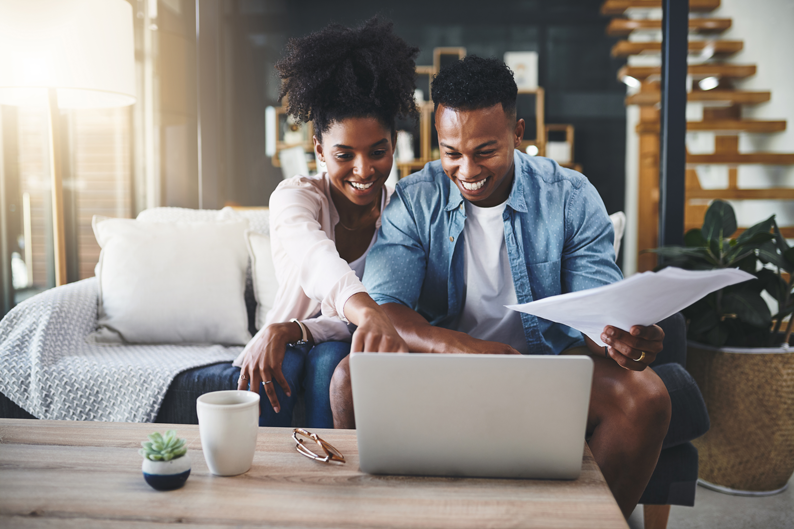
(325, 277)
(375, 333)
(263, 357)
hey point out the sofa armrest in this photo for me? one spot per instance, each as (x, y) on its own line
(67, 312)
(674, 350)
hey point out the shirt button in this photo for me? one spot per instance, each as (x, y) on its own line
(451, 238)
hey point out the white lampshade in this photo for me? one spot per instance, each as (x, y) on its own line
(84, 48)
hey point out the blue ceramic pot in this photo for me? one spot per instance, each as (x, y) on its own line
(166, 475)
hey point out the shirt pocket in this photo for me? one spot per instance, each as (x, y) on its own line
(544, 279)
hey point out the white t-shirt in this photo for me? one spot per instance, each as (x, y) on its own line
(489, 281)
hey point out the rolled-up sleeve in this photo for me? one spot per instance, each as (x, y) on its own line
(588, 259)
(325, 329)
(396, 264)
(323, 275)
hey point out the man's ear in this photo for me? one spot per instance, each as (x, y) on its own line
(518, 133)
(318, 149)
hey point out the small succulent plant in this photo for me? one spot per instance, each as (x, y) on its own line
(163, 448)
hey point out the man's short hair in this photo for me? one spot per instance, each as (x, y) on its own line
(474, 83)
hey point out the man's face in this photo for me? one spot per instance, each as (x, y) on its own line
(477, 151)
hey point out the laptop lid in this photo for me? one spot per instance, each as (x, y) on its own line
(471, 415)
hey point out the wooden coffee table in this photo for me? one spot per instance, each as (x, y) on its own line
(88, 474)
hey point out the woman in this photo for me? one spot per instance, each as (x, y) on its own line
(353, 84)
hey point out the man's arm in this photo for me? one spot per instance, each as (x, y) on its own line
(422, 337)
(589, 261)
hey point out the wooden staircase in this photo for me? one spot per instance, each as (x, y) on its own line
(623, 27)
(716, 48)
(722, 115)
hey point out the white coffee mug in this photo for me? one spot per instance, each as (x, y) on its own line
(228, 424)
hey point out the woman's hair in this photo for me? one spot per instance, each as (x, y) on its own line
(338, 73)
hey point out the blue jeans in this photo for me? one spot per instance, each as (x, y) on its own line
(308, 369)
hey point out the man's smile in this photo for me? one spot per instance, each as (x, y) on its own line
(473, 186)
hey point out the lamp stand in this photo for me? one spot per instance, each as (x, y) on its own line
(58, 233)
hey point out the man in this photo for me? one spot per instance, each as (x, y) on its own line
(488, 226)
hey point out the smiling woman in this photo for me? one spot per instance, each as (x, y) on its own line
(353, 84)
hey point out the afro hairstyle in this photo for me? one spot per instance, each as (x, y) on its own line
(473, 83)
(338, 73)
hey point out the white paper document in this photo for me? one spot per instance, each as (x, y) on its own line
(642, 299)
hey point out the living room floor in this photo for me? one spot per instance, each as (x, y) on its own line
(713, 509)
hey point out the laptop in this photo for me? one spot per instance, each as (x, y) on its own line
(491, 416)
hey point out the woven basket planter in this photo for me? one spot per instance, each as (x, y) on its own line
(749, 394)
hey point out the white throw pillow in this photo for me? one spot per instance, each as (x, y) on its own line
(264, 274)
(172, 282)
(619, 224)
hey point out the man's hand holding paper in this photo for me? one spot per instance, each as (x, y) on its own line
(622, 315)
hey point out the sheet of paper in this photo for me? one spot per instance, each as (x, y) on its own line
(642, 299)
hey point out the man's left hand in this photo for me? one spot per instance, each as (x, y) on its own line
(634, 349)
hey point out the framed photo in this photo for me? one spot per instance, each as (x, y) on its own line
(525, 68)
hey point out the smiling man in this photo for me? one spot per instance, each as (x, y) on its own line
(488, 226)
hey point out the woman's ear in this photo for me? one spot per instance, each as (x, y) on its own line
(318, 149)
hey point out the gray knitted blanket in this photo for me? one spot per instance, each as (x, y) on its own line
(48, 369)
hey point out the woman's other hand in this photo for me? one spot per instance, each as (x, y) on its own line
(375, 333)
(263, 357)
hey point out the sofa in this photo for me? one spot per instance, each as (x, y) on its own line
(673, 481)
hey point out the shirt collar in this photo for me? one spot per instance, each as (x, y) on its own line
(516, 198)
(455, 199)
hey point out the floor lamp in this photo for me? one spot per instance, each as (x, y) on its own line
(65, 54)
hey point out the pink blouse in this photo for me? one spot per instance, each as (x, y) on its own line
(314, 282)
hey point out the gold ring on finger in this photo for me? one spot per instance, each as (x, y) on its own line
(641, 358)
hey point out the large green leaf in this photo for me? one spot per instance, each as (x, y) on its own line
(788, 255)
(772, 283)
(694, 238)
(768, 253)
(720, 222)
(718, 335)
(765, 226)
(748, 306)
(703, 322)
(782, 244)
(739, 251)
(685, 257)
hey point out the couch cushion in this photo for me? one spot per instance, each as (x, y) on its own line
(689, 419)
(172, 282)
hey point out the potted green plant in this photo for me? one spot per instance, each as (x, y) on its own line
(166, 464)
(738, 352)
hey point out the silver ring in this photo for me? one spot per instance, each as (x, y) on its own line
(243, 377)
(267, 381)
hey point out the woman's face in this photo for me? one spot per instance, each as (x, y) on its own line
(358, 153)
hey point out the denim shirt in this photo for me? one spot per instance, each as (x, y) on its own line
(559, 239)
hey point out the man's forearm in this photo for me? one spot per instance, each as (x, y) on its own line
(417, 332)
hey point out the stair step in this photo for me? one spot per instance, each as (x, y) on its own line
(697, 71)
(723, 125)
(742, 194)
(622, 27)
(721, 48)
(618, 7)
(734, 97)
(760, 158)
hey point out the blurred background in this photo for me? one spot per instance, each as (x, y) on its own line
(205, 128)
